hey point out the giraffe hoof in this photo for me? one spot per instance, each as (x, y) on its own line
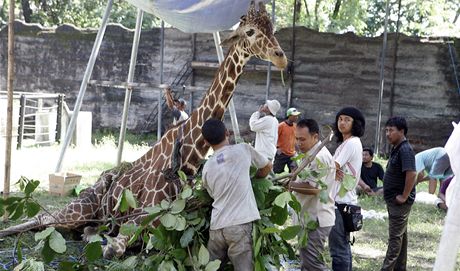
(108, 252)
(88, 232)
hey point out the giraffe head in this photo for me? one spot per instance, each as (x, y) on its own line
(255, 37)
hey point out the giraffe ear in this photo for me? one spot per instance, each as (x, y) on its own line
(232, 39)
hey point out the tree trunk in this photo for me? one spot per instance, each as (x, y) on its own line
(316, 24)
(336, 9)
(306, 8)
(26, 10)
(456, 16)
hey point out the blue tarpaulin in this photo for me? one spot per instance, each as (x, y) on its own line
(196, 16)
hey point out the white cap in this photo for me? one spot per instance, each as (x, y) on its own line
(273, 106)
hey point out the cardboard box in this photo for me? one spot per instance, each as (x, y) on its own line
(63, 183)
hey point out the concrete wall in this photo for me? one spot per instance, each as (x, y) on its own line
(330, 71)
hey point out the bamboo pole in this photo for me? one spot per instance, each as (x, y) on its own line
(9, 113)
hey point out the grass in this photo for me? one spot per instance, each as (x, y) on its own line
(425, 223)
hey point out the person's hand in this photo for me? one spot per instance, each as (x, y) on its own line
(368, 189)
(261, 109)
(339, 175)
(400, 199)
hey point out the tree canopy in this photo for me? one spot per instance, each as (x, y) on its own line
(363, 17)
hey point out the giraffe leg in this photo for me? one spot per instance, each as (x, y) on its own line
(116, 247)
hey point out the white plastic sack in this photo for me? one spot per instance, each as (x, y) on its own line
(197, 16)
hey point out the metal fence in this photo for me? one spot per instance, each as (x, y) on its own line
(39, 119)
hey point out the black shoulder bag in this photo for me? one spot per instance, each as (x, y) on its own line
(351, 216)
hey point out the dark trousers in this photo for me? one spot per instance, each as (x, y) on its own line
(398, 216)
(281, 160)
(339, 245)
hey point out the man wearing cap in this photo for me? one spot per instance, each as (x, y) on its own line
(285, 148)
(265, 124)
(177, 106)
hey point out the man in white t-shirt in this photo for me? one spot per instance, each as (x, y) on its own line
(265, 124)
(349, 127)
(307, 140)
(226, 178)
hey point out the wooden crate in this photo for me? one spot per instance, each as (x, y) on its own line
(63, 183)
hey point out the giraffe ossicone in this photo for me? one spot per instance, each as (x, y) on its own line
(145, 177)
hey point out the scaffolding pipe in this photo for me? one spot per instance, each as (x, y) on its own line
(162, 51)
(382, 80)
(84, 84)
(129, 90)
(160, 113)
(9, 112)
(231, 105)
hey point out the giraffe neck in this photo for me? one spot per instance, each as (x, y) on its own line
(213, 105)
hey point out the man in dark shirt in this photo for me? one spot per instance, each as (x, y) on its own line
(398, 192)
(370, 171)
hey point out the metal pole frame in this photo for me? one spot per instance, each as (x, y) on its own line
(9, 112)
(84, 84)
(382, 80)
(22, 112)
(129, 90)
(231, 105)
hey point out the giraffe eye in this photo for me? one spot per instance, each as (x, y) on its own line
(250, 32)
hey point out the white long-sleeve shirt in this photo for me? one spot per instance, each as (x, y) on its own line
(266, 129)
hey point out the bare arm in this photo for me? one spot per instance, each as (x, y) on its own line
(169, 99)
(303, 188)
(364, 186)
(263, 172)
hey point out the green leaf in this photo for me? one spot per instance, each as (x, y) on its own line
(128, 229)
(323, 196)
(303, 238)
(279, 215)
(19, 250)
(167, 266)
(57, 242)
(95, 238)
(130, 199)
(153, 209)
(181, 223)
(259, 265)
(93, 251)
(121, 205)
(348, 182)
(32, 208)
(43, 234)
(203, 255)
(179, 253)
(271, 230)
(30, 187)
(295, 204)
(182, 176)
(258, 245)
(312, 225)
(186, 192)
(187, 237)
(16, 210)
(290, 232)
(282, 199)
(342, 191)
(130, 261)
(213, 265)
(47, 253)
(164, 204)
(168, 220)
(177, 206)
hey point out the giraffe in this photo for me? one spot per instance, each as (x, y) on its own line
(146, 177)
